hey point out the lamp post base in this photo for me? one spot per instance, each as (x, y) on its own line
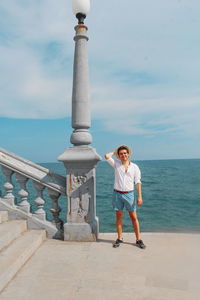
(79, 232)
(82, 222)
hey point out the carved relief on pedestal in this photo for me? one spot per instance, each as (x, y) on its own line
(78, 197)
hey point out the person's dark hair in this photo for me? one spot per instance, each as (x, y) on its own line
(123, 147)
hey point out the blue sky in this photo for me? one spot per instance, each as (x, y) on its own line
(144, 75)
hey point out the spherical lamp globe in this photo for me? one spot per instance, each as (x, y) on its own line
(81, 6)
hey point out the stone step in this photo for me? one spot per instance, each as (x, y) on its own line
(16, 255)
(3, 216)
(11, 230)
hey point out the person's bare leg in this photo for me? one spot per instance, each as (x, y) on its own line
(119, 215)
(136, 226)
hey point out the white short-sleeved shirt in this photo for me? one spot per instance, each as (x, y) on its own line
(125, 180)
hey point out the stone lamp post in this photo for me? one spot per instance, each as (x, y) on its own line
(80, 159)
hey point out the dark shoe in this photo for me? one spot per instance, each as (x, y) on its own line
(117, 243)
(140, 244)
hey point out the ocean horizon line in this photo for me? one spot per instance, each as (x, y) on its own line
(159, 159)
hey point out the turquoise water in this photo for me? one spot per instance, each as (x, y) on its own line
(171, 196)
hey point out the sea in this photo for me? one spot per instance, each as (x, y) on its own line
(171, 196)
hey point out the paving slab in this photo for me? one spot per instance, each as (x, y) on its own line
(3, 216)
(169, 268)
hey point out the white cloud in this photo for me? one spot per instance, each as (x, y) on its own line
(30, 86)
(148, 115)
(27, 91)
(31, 21)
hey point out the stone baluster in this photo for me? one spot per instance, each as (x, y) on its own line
(39, 213)
(9, 197)
(55, 210)
(23, 194)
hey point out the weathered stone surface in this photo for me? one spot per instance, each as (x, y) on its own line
(81, 120)
(31, 170)
(10, 231)
(80, 232)
(16, 254)
(14, 213)
(42, 178)
(3, 216)
(167, 269)
(81, 159)
(80, 162)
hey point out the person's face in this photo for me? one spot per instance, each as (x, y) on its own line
(123, 155)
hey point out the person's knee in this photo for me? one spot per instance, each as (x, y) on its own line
(119, 213)
(133, 217)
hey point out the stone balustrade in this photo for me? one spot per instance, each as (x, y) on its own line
(42, 180)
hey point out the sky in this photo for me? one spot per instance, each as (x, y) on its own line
(144, 60)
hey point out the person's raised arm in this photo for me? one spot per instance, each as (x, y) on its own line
(109, 155)
(109, 158)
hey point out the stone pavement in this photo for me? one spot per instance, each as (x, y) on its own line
(169, 268)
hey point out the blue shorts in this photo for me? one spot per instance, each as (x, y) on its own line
(121, 200)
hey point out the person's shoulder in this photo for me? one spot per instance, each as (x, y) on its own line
(113, 159)
(117, 161)
(134, 165)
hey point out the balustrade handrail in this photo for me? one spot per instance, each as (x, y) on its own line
(33, 171)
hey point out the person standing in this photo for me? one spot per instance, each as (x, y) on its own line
(127, 176)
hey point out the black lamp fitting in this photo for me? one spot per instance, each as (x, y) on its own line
(80, 18)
